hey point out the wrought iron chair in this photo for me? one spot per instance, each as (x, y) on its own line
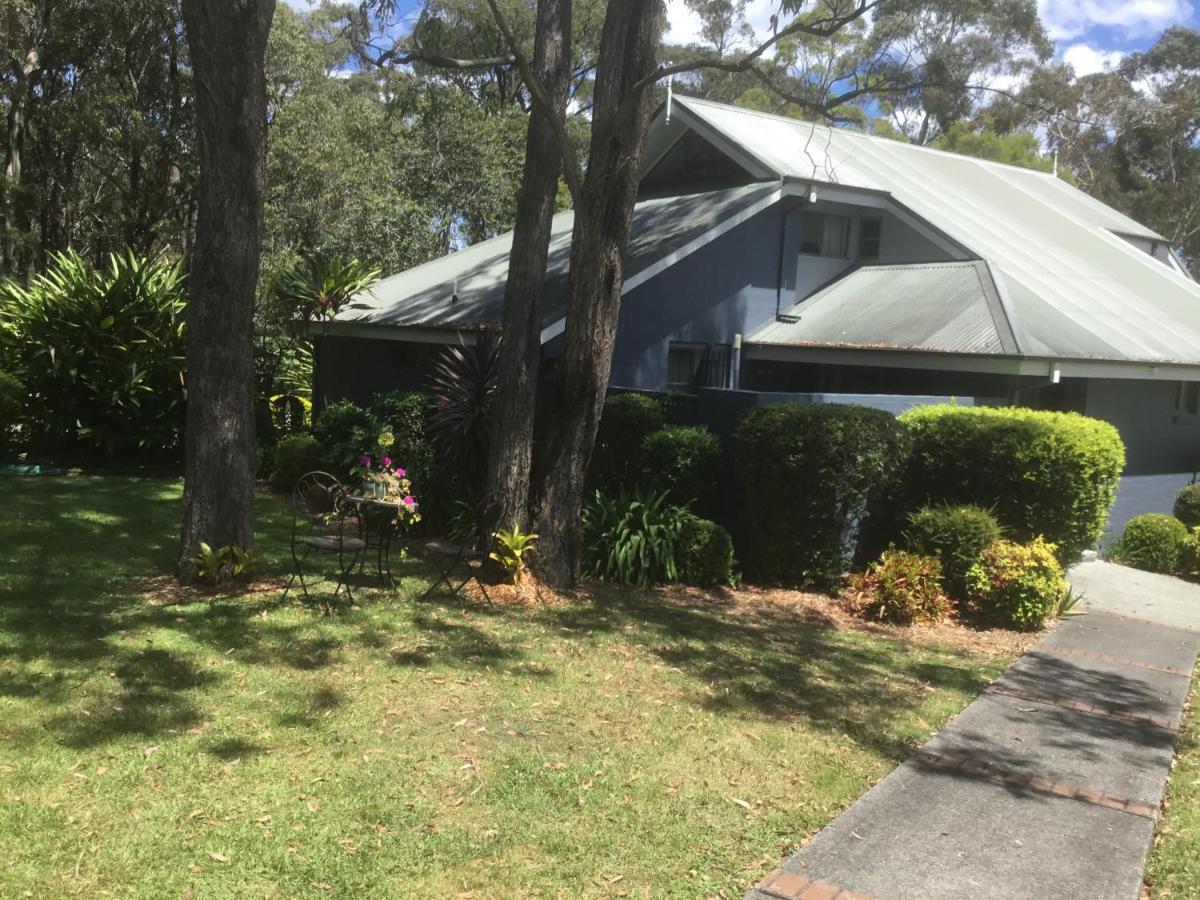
(320, 523)
(466, 561)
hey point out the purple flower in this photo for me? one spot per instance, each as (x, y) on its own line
(401, 473)
(366, 461)
(387, 462)
(409, 501)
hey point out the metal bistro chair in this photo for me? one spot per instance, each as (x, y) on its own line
(457, 558)
(319, 523)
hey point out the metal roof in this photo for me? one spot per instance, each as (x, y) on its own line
(935, 307)
(1069, 285)
(465, 290)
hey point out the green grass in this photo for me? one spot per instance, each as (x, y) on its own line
(256, 747)
(1174, 866)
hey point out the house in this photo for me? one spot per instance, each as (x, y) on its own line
(775, 257)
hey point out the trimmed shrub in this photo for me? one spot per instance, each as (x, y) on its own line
(1155, 542)
(12, 402)
(1041, 473)
(1015, 585)
(632, 538)
(684, 461)
(956, 535)
(704, 553)
(295, 455)
(809, 474)
(625, 421)
(1187, 506)
(1189, 558)
(901, 588)
(345, 432)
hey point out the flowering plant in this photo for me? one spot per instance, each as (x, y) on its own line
(388, 481)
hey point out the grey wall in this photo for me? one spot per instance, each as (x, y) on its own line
(1156, 439)
(733, 285)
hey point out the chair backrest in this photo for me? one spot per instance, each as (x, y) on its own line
(317, 500)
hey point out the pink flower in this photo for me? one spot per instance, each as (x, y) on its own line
(401, 473)
(387, 462)
(409, 501)
(366, 461)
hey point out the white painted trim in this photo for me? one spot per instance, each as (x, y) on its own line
(1042, 367)
(412, 334)
(725, 225)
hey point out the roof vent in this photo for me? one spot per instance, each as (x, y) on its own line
(786, 319)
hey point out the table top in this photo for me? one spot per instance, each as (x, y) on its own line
(375, 501)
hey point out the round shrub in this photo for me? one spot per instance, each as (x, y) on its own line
(12, 402)
(1187, 506)
(295, 455)
(625, 422)
(808, 474)
(1155, 542)
(1015, 585)
(684, 461)
(901, 588)
(345, 431)
(1041, 473)
(703, 553)
(956, 535)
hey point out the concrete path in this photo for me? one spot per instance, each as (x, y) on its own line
(1048, 785)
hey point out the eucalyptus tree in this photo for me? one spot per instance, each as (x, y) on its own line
(228, 42)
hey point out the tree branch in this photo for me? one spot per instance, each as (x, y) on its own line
(543, 100)
(819, 28)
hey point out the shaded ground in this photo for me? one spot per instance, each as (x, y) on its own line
(245, 746)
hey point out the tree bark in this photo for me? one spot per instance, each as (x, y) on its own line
(620, 119)
(227, 40)
(510, 452)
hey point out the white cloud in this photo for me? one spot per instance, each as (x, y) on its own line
(1066, 19)
(683, 25)
(1088, 60)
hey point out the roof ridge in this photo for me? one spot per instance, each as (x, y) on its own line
(851, 132)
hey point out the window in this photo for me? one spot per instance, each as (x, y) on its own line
(869, 233)
(1187, 398)
(692, 366)
(822, 234)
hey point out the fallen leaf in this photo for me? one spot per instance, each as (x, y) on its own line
(150, 751)
(219, 857)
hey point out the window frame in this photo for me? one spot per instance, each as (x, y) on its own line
(718, 356)
(864, 241)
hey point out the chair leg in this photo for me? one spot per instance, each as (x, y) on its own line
(298, 563)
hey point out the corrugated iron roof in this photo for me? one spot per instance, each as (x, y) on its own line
(1069, 285)
(935, 307)
(466, 289)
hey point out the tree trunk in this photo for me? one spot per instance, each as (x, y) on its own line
(228, 40)
(620, 119)
(22, 73)
(510, 452)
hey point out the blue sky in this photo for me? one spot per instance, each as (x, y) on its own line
(1090, 34)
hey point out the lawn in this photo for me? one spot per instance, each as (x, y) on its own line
(1174, 866)
(251, 746)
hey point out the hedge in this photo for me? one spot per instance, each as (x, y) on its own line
(296, 455)
(1041, 473)
(1187, 506)
(1154, 542)
(625, 421)
(704, 553)
(956, 535)
(684, 461)
(808, 475)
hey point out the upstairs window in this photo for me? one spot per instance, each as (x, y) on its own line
(693, 366)
(824, 234)
(869, 233)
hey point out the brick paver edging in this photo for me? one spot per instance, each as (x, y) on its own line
(1116, 660)
(1036, 783)
(1091, 611)
(793, 886)
(1079, 706)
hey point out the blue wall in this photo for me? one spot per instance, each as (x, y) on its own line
(733, 285)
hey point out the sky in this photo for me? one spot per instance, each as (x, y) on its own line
(1089, 34)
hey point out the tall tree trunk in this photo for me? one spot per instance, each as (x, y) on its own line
(228, 40)
(22, 72)
(510, 452)
(620, 118)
